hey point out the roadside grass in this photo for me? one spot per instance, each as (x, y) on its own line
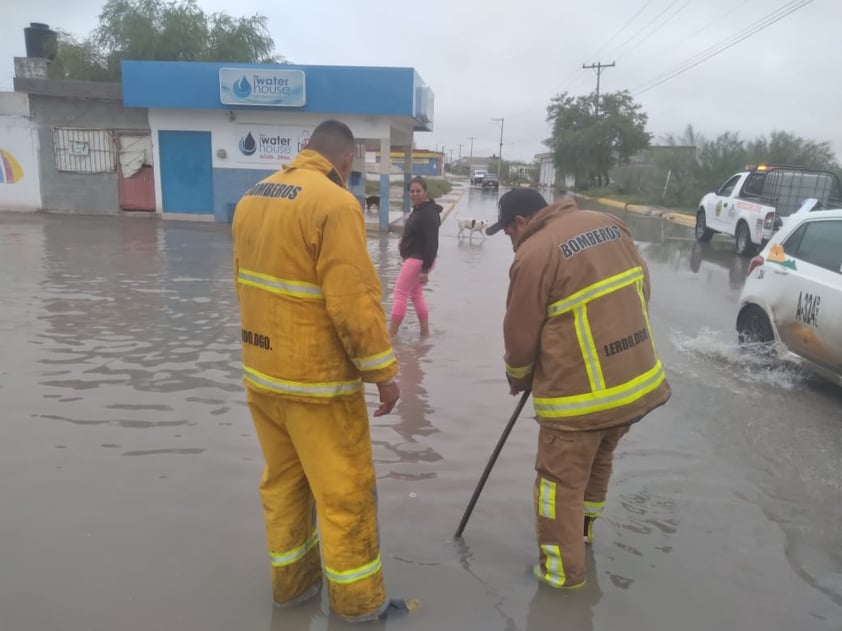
(436, 187)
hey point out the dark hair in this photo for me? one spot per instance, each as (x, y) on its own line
(332, 138)
(418, 180)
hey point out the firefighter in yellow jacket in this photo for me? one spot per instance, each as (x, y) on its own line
(313, 331)
(577, 333)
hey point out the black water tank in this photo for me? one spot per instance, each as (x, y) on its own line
(41, 42)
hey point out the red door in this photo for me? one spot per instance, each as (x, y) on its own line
(137, 189)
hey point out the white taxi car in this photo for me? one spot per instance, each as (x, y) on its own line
(792, 298)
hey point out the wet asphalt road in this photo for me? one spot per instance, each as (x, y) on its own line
(129, 465)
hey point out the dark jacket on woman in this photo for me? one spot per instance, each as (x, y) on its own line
(421, 234)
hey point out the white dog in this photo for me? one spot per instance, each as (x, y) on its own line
(472, 226)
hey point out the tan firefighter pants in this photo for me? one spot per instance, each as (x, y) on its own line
(573, 469)
(318, 462)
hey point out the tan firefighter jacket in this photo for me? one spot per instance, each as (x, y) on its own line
(577, 328)
(310, 299)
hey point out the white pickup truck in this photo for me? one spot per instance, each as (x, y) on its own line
(478, 175)
(752, 204)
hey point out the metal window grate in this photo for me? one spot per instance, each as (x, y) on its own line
(84, 150)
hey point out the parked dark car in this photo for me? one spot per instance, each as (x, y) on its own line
(491, 181)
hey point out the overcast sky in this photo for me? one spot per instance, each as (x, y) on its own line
(486, 59)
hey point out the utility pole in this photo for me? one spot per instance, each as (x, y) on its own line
(500, 152)
(471, 159)
(598, 67)
(460, 151)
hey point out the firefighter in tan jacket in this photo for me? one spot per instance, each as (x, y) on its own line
(577, 333)
(313, 330)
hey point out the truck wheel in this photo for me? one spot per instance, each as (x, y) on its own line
(754, 328)
(703, 233)
(743, 240)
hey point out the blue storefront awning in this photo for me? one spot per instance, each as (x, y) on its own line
(361, 90)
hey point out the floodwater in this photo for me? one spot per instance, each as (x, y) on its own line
(129, 465)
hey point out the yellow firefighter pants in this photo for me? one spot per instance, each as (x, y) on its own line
(573, 470)
(319, 463)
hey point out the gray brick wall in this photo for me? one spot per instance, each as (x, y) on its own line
(75, 192)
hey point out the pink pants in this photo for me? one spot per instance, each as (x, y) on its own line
(409, 287)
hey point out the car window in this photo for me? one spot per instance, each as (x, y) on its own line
(819, 243)
(754, 185)
(728, 187)
(794, 240)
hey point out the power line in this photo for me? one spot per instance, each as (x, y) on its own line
(724, 45)
(621, 29)
(617, 49)
(579, 79)
(745, 32)
(598, 67)
(698, 31)
(723, 15)
(660, 25)
(640, 9)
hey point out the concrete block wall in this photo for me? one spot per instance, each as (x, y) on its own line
(94, 193)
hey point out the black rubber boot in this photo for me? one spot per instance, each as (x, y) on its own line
(589, 521)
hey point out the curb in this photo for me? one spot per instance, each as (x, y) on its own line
(452, 204)
(646, 211)
(449, 201)
(681, 219)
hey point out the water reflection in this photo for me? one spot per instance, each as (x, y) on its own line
(557, 609)
(485, 199)
(411, 420)
(383, 250)
(133, 307)
(306, 616)
(314, 615)
(720, 255)
(159, 316)
(471, 250)
(465, 556)
(673, 244)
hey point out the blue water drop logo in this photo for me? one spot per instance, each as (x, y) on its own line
(248, 145)
(242, 88)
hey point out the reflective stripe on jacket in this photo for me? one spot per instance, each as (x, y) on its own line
(577, 327)
(310, 299)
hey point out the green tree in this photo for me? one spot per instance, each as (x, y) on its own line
(694, 173)
(787, 148)
(78, 59)
(162, 31)
(720, 158)
(677, 164)
(589, 146)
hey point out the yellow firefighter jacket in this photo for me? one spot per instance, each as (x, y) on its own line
(312, 322)
(577, 326)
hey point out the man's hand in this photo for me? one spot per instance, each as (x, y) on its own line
(389, 395)
(423, 278)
